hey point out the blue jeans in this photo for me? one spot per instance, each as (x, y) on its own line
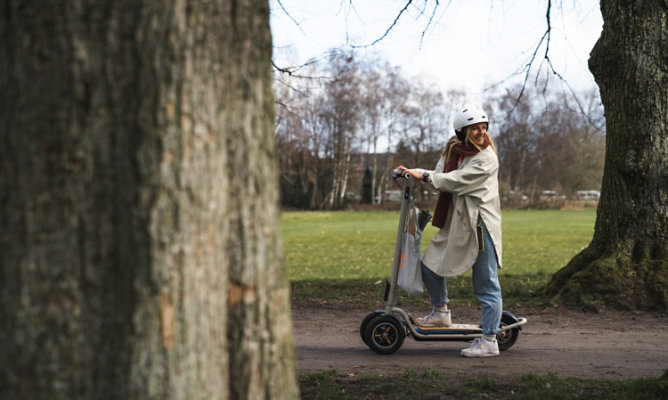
(486, 285)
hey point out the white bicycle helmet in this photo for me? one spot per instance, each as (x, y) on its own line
(468, 116)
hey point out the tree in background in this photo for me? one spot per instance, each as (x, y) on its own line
(317, 132)
(626, 264)
(300, 145)
(579, 164)
(139, 253)
(341, 117)
(516, 143)
(545, 142)
(355, 115)
(383, 91)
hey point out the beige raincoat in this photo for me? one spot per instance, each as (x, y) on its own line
(475, 191)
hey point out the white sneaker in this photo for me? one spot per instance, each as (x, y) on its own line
(482, 347)
(435, 318)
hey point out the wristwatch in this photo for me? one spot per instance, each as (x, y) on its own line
(425, 177)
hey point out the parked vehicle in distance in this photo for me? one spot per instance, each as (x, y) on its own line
(587, 195)
(551, 195)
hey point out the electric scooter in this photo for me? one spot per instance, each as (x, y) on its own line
(384, 331)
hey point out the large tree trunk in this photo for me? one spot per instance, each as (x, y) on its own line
(139, 251)
(626, 263)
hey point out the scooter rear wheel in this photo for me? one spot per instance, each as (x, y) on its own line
(506, 339)
(384, 334)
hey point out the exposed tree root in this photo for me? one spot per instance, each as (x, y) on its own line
(611, 277)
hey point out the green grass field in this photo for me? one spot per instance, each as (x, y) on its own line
(360, 244)
(428, 384)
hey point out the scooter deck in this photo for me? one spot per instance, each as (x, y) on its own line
(452, 329)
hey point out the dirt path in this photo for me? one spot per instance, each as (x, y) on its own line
(611, 345)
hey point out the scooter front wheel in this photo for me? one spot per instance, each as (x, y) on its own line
(365, 323)
(384, 334)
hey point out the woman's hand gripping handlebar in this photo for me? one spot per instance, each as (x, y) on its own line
(416, 173)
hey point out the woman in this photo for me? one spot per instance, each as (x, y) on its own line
(468, 213)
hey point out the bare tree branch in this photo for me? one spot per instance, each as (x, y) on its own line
(387, 32)
(545, 39)
(396, 21)
(291, 71)
(431, 19)
(280, 3)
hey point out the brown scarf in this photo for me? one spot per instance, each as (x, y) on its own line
(459, 150)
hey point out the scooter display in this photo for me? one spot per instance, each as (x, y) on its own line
(384, 331)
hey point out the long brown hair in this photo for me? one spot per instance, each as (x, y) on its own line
(447, 152)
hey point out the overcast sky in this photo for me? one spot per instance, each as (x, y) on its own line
(470, 44)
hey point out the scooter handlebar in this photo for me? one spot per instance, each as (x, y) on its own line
(399, 173)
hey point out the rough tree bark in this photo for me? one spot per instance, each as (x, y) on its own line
(626, 264)
(139, 251)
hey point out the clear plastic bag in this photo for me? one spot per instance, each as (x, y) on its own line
(410, 274)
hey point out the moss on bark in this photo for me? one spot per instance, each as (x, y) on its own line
(610, 277)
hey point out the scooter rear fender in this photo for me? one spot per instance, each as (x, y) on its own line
(514, 320)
